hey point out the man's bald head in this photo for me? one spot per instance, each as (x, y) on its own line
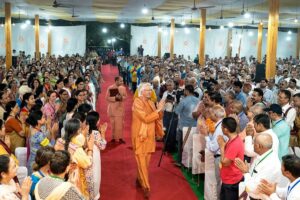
(265, 140)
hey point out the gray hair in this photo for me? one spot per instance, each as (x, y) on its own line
(219, 111)
(264, 139)
(257, 109)
(142, 88)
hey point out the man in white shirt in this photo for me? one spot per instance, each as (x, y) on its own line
(261, 167)
(289, 113)
(292, 86)
(217, 115)
(261, 125)
(197, 89)
(291, 170)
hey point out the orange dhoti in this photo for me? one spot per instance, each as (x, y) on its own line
(117, 126)
(143, 161)
(146, 123)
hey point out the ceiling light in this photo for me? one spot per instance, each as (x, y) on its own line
(165, 33)
(28, 22)
(261, 23)
(222, 27)
(182, 23)
(247, 15)
(296, 20)
(13, 24)
(122, 25)
(160, 29)
(2, 25)
(230, 24)
(198, 29)
(240, 36)
(23, 26)
(104, 30)
(108, 41)
(289, 32)
(250, 33)
(113, 40)
(209, 28)
(288, 38)
(186, 30)
(145, 10)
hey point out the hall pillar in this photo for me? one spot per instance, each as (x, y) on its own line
(259, 41)
(172, 32)
(272, 38)
(202, 38)
(159, 42)
(49, 43)
(8, 43)
(298, 43)
(37, 37)
(229, 43)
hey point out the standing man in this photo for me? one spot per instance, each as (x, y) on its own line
(231, 176)
(290, 169)
(280, 128)
(146, 124)
(184, 111)
(115, 96)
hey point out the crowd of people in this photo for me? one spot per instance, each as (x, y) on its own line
(250, 126)
(48, 119)
(47, 107)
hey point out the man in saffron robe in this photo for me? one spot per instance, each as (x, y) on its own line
(116, 109)
(146, 125)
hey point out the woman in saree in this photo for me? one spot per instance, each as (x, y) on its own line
(9, 189)
(13, 126)
(54, 187)
(38, 138)
(81, 156)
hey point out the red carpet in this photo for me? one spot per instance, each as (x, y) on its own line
(119, 167)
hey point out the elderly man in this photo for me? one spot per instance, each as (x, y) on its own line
(146, 123)
(217, 114)
(116, 109)
(265, 166)
(238, 112)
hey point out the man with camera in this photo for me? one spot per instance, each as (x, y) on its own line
(184, 111)
(170, 118)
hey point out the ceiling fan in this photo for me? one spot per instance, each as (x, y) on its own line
(243, 10)
(196, 8)
(73, 13)
(221, 15)
(59, 5)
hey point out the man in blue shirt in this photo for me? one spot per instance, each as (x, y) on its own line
(240, 95)
(280, 128)
(184, 111)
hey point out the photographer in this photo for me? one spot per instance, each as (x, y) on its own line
(184, 111)
(170, 116)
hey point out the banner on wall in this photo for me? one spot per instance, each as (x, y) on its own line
(186, 42)
(145, 36)
(65, 39)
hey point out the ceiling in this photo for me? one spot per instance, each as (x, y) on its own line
(129, 11)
